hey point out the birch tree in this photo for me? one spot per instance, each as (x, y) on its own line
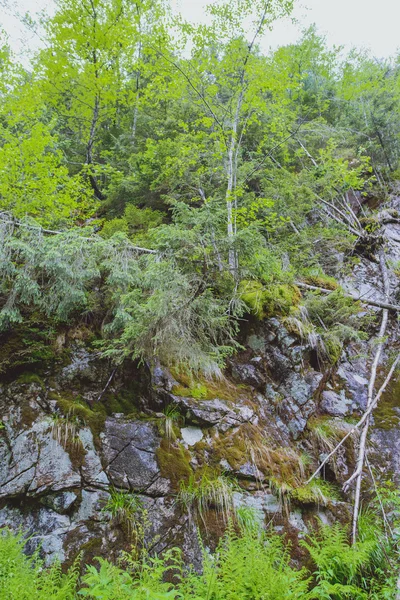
(234, 90)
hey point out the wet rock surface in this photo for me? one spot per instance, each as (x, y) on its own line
(129, 454)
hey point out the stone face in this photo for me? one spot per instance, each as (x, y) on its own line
(44, 526)
(296, 426)
(335, 404)
(296, 521)
(36, 462)
(209, 413)
(161, 377)
(60, 503)
(249, 374)
(129, 449)
(355, 382)
(63, 501)
(262, 502)
(82, 366)
(385, 444)
(92, 469)
(191, 435)
(298, 389)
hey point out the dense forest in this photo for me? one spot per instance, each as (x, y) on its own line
(185, 188)
(163, 183)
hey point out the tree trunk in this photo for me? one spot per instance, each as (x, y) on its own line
(89, 148)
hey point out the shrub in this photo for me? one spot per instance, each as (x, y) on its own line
(248, 564)
(356, 572)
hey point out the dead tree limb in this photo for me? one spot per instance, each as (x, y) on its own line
(356, 298)
(357, 475)
(359, 424)
(9, 221)
(345, 219)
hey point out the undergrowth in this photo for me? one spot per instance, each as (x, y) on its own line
(249, 564)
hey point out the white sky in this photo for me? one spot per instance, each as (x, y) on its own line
(370, 24)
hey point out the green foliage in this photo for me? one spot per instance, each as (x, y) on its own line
(155, 307)
(33, 180)
(343, 571)
(317, 492)
(248, 564)
(185, 153)
(134, 222)
(172, 417)
(251, 566)
(23, 577)
(111, 582)
(334, 317)
(197, 390)
(189, 179)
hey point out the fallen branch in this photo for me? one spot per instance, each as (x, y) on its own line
(356, 298)
(16, 223)
(359, 424)
(357, 475)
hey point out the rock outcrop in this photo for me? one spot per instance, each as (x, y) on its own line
(68, 442)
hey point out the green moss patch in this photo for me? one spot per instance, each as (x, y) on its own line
(29, 344)
(317, 492)
(28, 378)
(174, 462)
(320, 279)
(387, 412)
(94, 417)
(203, 389)
(268, 301)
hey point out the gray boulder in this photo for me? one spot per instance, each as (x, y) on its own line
(129, 453)
(336, 405)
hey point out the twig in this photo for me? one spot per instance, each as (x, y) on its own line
(357, 475)
(107, 384)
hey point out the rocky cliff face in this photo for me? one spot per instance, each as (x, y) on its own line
(61, 453)
(73, 436)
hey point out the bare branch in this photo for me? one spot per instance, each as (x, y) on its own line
(360, 423)
(16, 223)
(376, 303)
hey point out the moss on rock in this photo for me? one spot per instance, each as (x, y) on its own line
(174, 462)
(269, 301)
(203, 389)
(93, 418)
